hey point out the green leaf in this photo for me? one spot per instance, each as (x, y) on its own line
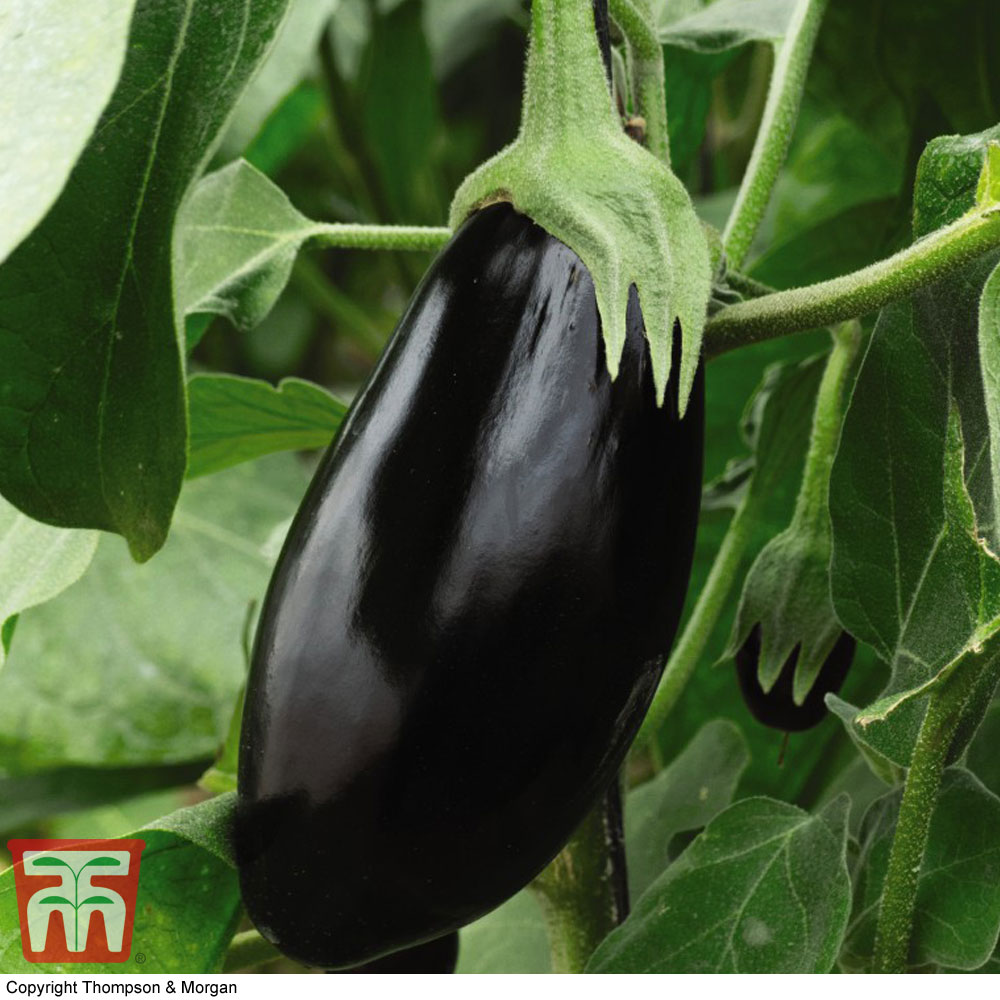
(61, 61)
(988, 187)
(763, 889)
(57, 899)
(288, 61)
(237, 238)
(28, 798)
(510, 939)
(683, 797)
(188, 904)
(957, 916)
(96, 679)
(911, 572)
(237, 419)
(982, 759)
(36, 563)
(989, 360)
(95, 901)
(92, 429)
(727, 24)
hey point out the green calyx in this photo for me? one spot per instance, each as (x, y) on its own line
(574, 172)
(787, 590)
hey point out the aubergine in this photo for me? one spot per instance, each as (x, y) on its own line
(436, 957)
(471, 610)
(777, 708)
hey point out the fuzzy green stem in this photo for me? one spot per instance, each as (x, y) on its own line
(646, 62)
(857, 294)
(551, 70)
(722, 578)
(361, 237)
(247, 950)
(812, 505)
(581, 891)
(909, 842)
(792, 57)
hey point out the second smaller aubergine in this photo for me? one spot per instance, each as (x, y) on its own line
(776, 708)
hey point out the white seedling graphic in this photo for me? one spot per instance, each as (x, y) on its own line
(75, 898)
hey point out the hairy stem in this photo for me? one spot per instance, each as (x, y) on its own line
(812, 506)
(361, 237)
(249, 949)
(857, 294)
(780, 113)
(583, 893)
(710, 604)
(646, 63)
(909, 842)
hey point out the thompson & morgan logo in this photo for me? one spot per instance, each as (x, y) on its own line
(76, 899)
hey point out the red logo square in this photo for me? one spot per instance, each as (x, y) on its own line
(76, 899)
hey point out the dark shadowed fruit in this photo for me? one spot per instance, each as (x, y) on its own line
(471, 610)
(437, 956)
(776, 708)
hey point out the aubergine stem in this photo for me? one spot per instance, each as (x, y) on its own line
(712, 600)
(583, 892)
(788, 79)
(909, 843)
(645, 63)
(860, 293)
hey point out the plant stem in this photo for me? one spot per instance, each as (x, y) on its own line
(749, 288)
(780, 113)
(583, 893)
(812, 505)
(361, 237)
(248, 949)
(646, 62)
(710, 604)
(909, 842)
(866, 291)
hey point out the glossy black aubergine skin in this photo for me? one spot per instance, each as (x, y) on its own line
(436, 957)
(776, 708)
(471, 610)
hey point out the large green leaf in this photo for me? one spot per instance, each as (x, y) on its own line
(237, 419)
(37, 562)
(188, 903)
(140, 664)
(957, 916)
(764, 888)
(92, 421)
(683, 797)
(911, 493)
(510, 939)
(61, 61)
